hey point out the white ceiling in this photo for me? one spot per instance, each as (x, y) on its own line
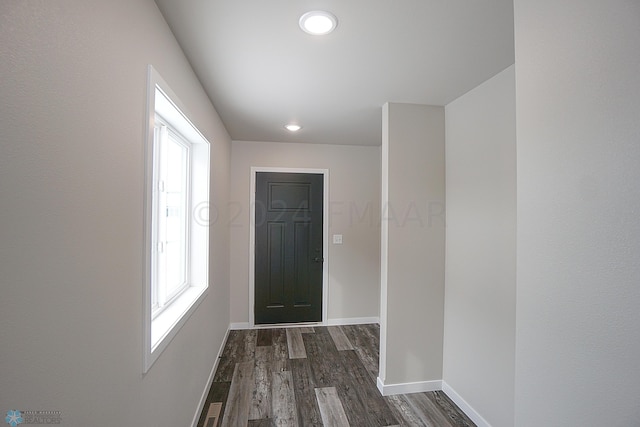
(261, 71)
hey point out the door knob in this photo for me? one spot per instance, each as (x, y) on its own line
(318, 259)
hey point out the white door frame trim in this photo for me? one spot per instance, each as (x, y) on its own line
(252, 236)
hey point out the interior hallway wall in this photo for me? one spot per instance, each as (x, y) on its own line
(73, 91)
(354, 200)
(578, 249)
(412, 246)
(480, 284)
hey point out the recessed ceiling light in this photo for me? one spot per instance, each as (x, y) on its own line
(293, 128)
(318, 22)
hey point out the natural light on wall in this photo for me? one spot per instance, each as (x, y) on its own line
(176, 218)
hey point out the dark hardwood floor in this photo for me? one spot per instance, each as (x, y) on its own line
(314, 376)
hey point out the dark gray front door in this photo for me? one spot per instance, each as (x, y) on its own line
(288, 247)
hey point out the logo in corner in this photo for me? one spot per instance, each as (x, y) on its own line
(14, 418)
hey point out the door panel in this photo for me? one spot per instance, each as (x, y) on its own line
(276, 264)
(288, 258)
(302, 241)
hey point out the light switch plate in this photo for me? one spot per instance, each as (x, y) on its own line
(337, 239)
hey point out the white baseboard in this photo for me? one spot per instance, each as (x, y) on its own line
(205, 393)
(353, 321)
(464, 406)
(330, 322)
(405, 388)
(238, 326)
(423, 386)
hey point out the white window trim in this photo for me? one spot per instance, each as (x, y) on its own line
(158, 331)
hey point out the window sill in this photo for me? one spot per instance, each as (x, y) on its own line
(167, 324)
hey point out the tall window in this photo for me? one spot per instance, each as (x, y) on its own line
(170, 273)
(176, 209)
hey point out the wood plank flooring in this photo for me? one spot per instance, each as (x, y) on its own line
(315, 376)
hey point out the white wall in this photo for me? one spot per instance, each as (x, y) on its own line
(354, 200)
(480, 284)
(413, 191)
(72, 115)
(578, 150)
